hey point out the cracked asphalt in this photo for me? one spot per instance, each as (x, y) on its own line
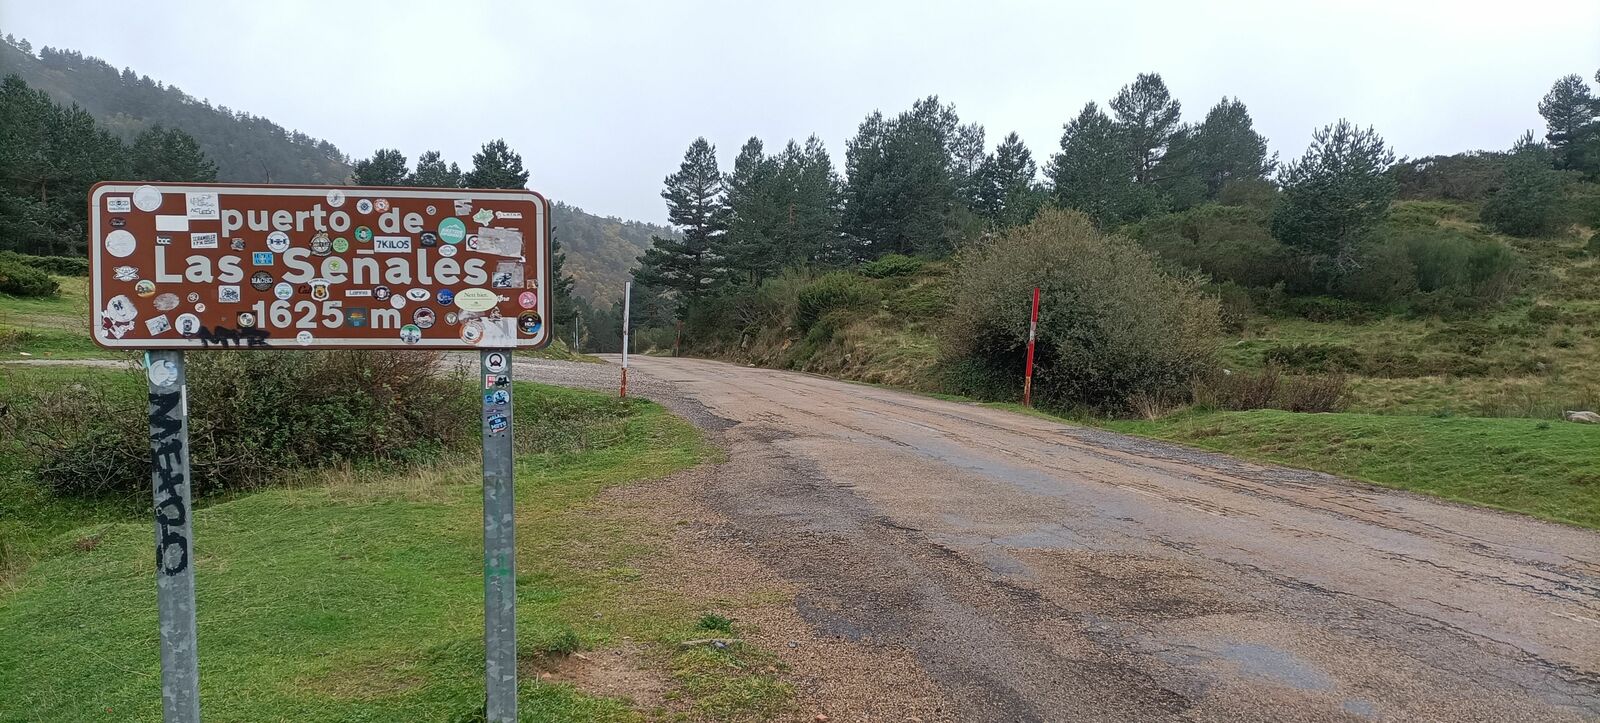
(1038, 571)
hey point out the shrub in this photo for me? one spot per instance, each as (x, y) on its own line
(58, 265)
(891, 265)
(1228, 243)
(1112, 323)
(1327, 308)
(1314, 358)
(1271, 389)
(835, 291)
(256, 415)
(20, 279)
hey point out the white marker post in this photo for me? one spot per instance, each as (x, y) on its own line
(627, 298)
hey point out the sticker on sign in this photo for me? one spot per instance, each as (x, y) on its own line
(280, 236)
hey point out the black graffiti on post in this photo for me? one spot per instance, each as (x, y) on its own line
(230, 338)
(172, 488)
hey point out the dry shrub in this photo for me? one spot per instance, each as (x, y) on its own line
(1269, 388)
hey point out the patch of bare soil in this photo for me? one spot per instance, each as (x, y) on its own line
(615, 673)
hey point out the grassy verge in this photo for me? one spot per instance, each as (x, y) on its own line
(1540, 468)
(56, 327)
(358, 595)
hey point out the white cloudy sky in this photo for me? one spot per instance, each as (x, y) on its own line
(601, 98)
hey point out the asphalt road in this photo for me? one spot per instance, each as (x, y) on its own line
(1041, 571)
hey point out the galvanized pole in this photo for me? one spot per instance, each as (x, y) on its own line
(627, 299)
(169, 480)
(499, 540)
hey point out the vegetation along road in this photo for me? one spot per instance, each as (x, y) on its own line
(1041, 571)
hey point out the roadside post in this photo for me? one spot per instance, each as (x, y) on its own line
(210, 267)
(627, 299)
(1033, 331)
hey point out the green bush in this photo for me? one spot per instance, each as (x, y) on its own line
(891, 265)
(1270, 389)
(255, 416)
(1112, 323)
(831, 292)
(1229, 243)
(58, 265)
(1315, 358)
(20, 279)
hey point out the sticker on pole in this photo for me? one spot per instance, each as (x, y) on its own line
(215, 266)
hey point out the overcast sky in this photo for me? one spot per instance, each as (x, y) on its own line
(602, 98)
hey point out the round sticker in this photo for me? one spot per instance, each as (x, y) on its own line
(283, 290)
(410, 333)
(321, 245)
(200, 308)
(336, 265)
(187, 324)
(336, 198)
(476, 299)
(445, 296)
(162, 372)
(145, 287)
(303, 338)
(166, 302)
(423, 317)
(277, 242)
(147, 198)
(528, 322)
(418, 294)
(381, 293)
(429, 240)
(261, 281)
(341, 245)
(528, 299)
(193, 296)
(247, 320)
(472, 331)
(363, 234)
(120, 243)
(447, 251)
(452, 230)
(495, 362)
(397, 301)
(451, 317)
(381, 204)
(364, 205)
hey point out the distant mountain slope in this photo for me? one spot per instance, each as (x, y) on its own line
(246, 148)
(601, 252)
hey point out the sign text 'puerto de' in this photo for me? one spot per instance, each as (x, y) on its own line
(190, 266)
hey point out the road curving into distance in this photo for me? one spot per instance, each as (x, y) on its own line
(1041, 571)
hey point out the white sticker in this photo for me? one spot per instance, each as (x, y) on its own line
(463, 206)
(418, 295)
(304, 338)
(508, 214)
(188, 324)
(391, 244)
(278, 242)
(147, 198)
(397, 301)
(283, 290)
(495, 362)
(157, 327)
(336, 198)
(119, 204)
(203, 241)
(200, 308)
(125, 273)
(499, 333)
(447, 250)
(227, 294)
(162, 372)
(172, 223)
(120, 243)
(357, 292)
(166, 302)
(476, 299)
(364, 205)
(203, 205)
(499, 241)
(507, 275)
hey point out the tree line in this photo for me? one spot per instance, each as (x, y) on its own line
(924, 183)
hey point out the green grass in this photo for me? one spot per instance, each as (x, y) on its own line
(1545, 469)
(55, 327)
(360, 597)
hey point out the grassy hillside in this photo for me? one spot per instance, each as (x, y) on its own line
(358, 595)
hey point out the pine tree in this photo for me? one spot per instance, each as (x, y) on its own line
(1227, 148)
(169, 154)
(433, 173)
(496, 166)
(1334, 196)
(810, 233)
(1008, 194)
(1569, 111)
(1147, 116)
(966, 160)
(753, 195)
(1528, 201)
(1094, 172)
(386, 167)
(900, 192)
(688, 267)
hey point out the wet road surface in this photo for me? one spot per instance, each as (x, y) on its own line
(1041, 571)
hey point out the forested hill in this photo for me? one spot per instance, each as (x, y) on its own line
(601, 251)
(245, 147)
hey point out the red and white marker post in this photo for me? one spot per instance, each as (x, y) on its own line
(1033, 331)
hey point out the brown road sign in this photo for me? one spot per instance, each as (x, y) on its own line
(183, 266)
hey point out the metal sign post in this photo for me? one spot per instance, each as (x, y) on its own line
(169, 479)
(627, 298)
(499, 539)
(1033, 331)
